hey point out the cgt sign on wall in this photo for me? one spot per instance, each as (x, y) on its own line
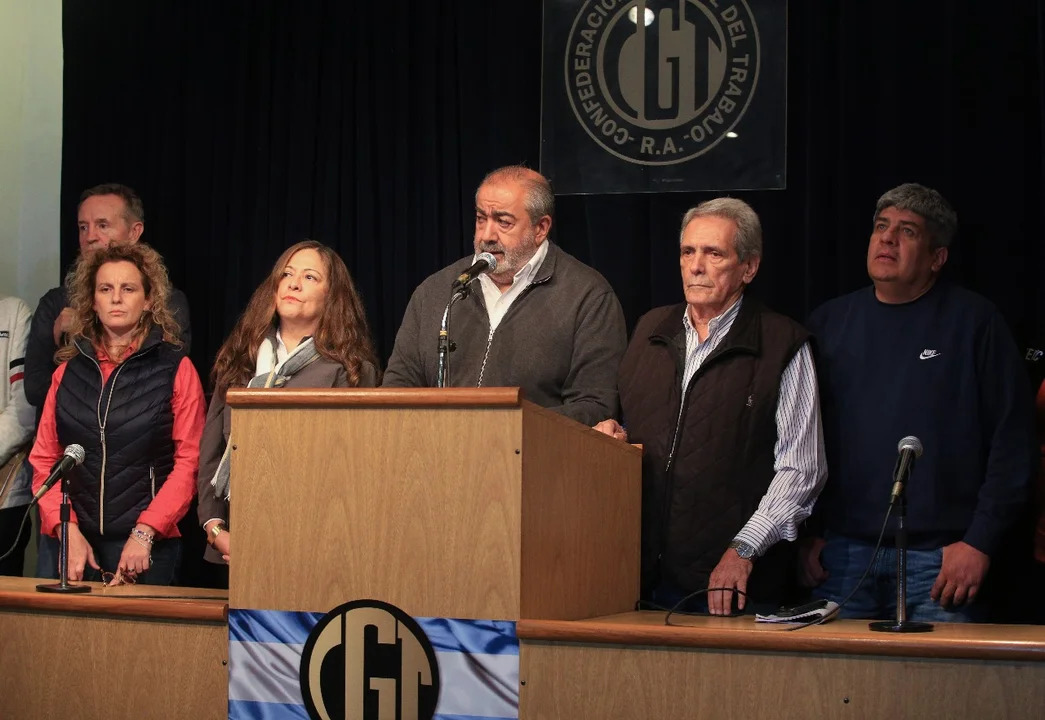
(655, 95)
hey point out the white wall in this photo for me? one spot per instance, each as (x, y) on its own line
(30, 146)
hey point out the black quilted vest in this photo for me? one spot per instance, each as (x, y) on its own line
(723, 459)
(126, 429)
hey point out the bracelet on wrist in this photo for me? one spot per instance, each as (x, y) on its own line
(146, 546)
(142, 536)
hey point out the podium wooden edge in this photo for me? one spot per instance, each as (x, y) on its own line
(139, 601)
(572, 425)
(374, 397)
(845, 637)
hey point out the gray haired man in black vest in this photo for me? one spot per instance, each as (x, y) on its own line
(721, 392)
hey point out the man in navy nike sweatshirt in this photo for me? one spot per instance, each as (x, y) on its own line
(910, 356)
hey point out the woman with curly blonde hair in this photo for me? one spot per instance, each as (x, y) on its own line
(305, 326)
(125, 392)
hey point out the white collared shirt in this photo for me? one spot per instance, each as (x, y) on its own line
(697, 351)
(497, 302)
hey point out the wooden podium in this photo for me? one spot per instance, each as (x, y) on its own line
(469, 503)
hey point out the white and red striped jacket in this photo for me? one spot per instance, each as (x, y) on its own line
(17, 416)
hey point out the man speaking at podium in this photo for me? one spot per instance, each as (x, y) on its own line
(541, 320)
(722, 394)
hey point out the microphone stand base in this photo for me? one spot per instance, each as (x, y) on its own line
(900, 627)
(60, 588)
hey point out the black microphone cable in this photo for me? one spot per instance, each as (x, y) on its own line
(674, 609)
(18, 534)
(874, 556)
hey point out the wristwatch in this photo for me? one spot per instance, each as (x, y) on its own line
(745, 551)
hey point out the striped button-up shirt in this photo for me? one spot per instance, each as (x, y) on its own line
(799, 460)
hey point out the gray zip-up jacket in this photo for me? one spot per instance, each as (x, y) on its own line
(561, 341)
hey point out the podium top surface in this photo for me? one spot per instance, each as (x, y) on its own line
(849, 637)
(143, 601)
(376, 397)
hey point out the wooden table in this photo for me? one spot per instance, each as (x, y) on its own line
(633, 666)
(113, 653)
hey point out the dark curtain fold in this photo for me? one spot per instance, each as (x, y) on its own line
(248, 125)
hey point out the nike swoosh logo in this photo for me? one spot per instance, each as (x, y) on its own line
(927, 354)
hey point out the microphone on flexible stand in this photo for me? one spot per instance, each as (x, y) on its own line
(910, 449)
(73, 456)
(484, 262)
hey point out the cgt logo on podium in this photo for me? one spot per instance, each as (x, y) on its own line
(659, 82)
(369, 660)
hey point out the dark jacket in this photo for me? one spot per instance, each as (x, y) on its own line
(126, 430)
(705, 471)
(40, 348)
(322, 373)
(560, 341)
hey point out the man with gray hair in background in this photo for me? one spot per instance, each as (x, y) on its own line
(108, 213)
(915, 356)
(722, 394)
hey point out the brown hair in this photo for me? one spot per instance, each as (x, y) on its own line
(342, 336)
(80, 282)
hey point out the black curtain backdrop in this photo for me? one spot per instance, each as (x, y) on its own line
(248, 125)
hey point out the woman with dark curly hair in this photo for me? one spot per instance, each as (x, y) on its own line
(125, 391)
(305, 326)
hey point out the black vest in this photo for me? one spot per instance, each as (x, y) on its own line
(723, 456)
(126, 429)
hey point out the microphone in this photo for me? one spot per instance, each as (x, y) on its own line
(910, 449)
(484, 263)
(72, 457)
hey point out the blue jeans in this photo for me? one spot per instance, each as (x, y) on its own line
(166, 559)
(845, 559)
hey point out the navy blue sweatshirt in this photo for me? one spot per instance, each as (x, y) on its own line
(945, 369)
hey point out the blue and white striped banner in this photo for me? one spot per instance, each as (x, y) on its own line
(478, 665)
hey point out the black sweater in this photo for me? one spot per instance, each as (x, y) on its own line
(945, 369)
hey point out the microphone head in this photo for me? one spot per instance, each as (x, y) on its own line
(490, 260)
(76, 452)
(910, 443)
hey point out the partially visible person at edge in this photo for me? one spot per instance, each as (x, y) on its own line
(913, 355)
(126, 392)
(304, 327)
(721, 392)
(17, 421)
(542, 321)
(1035, 358)
(108, 214)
